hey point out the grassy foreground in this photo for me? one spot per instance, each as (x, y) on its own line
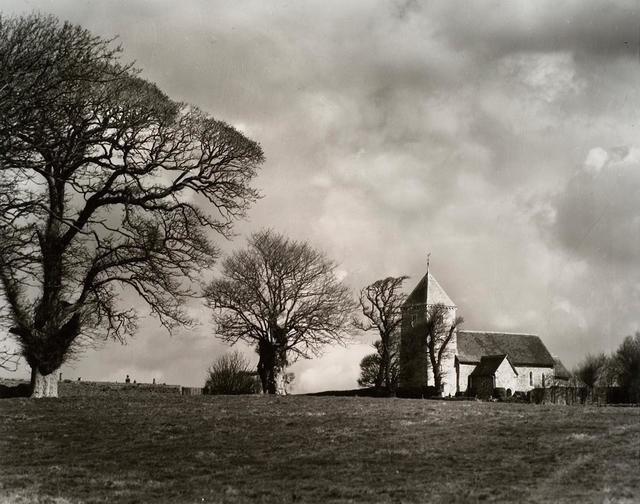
(314, 449)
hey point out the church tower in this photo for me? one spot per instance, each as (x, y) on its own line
(415, 368)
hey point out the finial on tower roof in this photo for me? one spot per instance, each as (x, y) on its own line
(426, 299)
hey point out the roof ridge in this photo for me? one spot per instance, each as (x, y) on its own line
(498, 332)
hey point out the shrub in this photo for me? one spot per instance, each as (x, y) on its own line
(232, 374)
(369, 370)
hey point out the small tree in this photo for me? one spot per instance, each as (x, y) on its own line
(232, 374)
(371, 364)
(101, 177)
(438, 330)
(381, 305)
(627, 366)
(283, 296)
(591, 369)
(370, 370)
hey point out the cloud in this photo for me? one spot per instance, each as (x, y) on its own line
(476, 131)
(592, 223)
(598, 212)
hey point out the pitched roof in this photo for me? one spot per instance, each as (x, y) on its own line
(435, 295)
(523, 349)
(489, 364)
(559, 371)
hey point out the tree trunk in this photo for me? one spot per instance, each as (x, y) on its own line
(44, 385)
(386, 361)
(262, 373)
(437, 379)
(267, 367)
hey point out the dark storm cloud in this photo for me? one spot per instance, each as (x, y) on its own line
(396, 128)
(597, 215)
(604, 29)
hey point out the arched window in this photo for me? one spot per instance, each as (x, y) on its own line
(542, 380)
(530, 377)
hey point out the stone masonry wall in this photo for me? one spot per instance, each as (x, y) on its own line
(520, 383)
(524, 384)
(464, 370)
(506, 376)
(415, 369)
(412, 351)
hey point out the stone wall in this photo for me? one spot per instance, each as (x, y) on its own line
(413, 355)
(415, 369)
(506, 377)
(464, 370)
(525, 373)
(518, 383)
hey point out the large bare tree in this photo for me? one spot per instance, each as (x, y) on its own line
(282, 296)
(438, 330)
(106, 185)
(381, 305)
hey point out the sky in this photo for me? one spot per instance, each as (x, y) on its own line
(501, 137)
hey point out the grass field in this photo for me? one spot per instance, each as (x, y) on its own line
(314, 449)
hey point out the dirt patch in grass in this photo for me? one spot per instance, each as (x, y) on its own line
(314, 449)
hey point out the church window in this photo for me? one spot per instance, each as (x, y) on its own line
(542, 380)
(530, 377)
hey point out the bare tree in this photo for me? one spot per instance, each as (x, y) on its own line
(284, 297)
(438, 331)
(101, 178)
(381, 304)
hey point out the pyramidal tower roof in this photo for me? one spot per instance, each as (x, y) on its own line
(434, 295)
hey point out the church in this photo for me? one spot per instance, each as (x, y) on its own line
(478, 361)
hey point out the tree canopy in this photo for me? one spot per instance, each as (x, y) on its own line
(282, 296)
(105, 184)
(627, 366)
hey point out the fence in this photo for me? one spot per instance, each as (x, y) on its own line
(579, 395)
